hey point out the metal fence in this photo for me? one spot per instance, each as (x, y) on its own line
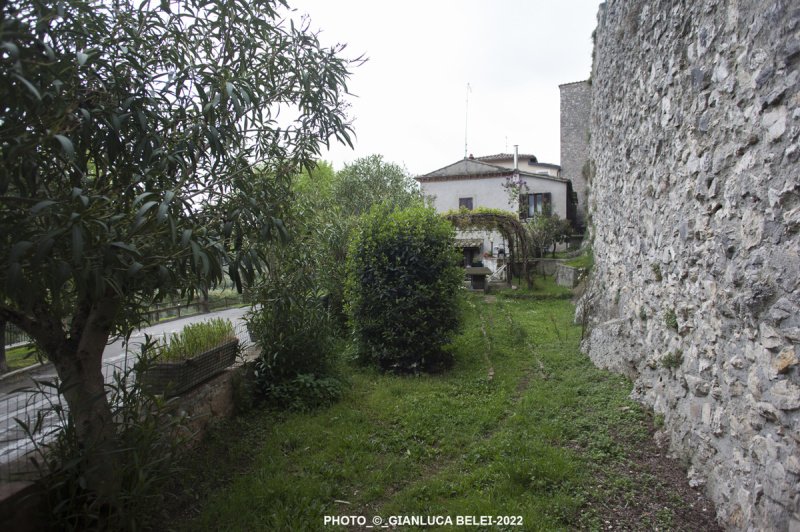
(166, 311)
(15, 336)
(28, 404)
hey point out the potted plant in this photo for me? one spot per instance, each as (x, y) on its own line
(190, 357)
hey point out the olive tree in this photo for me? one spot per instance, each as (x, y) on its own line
(370, 180)
(132, 137)
(546, 231)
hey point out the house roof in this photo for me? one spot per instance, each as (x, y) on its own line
(502, 156)
(574, 83)
(476, 169)
(521, 156)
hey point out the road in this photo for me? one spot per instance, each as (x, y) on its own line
(17, 400)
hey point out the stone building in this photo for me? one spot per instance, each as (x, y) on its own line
(576, 100)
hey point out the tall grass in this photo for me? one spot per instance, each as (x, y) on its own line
(194, 339)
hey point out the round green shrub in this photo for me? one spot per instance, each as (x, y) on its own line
(402, 288)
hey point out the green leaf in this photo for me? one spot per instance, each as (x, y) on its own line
(82, 58)
(127, 247)
(141, 197)
(66, 145)
(28, 85)
(163, 208)
(185, 236)
(19, 249)
(36, 209)
(134, 268)
(11, 48)
(143, 210)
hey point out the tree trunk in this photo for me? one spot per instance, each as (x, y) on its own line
(204, 302)
(3, 363)
(79, 362)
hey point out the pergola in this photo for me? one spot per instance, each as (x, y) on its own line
(507, 224)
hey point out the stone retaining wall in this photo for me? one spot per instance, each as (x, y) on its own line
(696, 211)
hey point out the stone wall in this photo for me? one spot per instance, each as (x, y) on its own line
(575, 110)
(696, 212)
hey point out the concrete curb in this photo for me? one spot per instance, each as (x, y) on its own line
(21, 372)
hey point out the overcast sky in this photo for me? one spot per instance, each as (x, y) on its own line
(410, 97)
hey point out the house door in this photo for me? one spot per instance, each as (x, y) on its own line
(469, 254)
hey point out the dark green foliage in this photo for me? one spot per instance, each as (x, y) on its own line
(402, 288)
(371, 180)
(149, 441)
(303, 392)
(545, 232)
(335, 201)
(291, 319)
(133, 140)
(291, 324)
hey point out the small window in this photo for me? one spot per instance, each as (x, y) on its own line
(540, 203)
(465, 203)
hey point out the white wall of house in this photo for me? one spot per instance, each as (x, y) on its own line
(486, 192)
(490, 193)
(557, 189)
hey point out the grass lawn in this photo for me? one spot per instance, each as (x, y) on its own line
(21, 357)
(584, 261)
(523, 425)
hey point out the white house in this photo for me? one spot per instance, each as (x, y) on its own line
(483, 182)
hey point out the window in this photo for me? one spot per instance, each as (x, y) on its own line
(540, 203)
(465, 203)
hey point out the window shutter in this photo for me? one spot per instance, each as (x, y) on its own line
(524, 200)
(547, 203)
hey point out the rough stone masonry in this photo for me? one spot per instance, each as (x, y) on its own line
(695, 213)
(575, 108)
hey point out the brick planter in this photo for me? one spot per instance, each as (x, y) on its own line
(174, 378)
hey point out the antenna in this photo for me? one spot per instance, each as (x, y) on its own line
(466, 120)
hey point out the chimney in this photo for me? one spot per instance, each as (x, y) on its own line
(516, 157)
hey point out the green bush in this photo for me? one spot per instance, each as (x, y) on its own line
(194, 339)
(402, 288)
(303, 392)
(291, 323)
